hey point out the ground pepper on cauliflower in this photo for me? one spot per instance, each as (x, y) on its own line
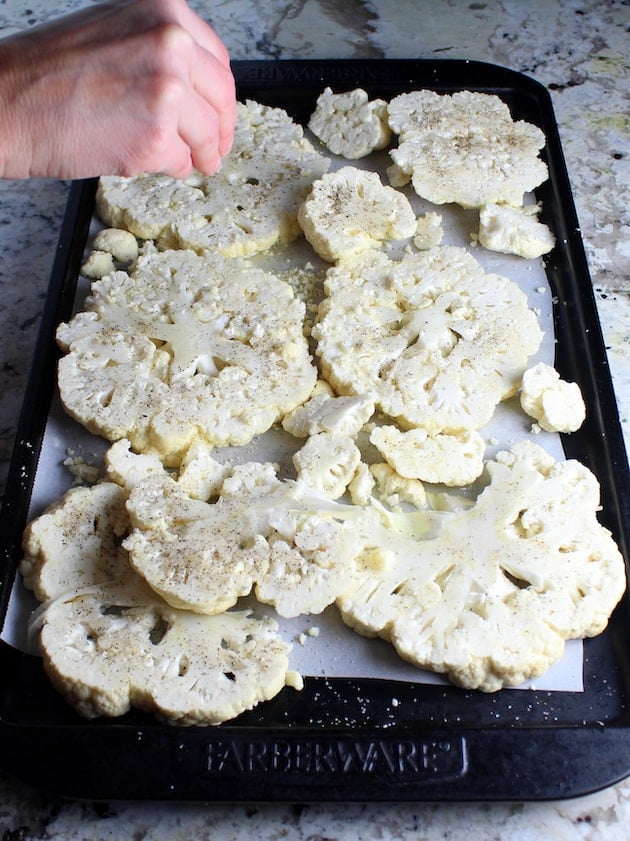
(185, 348)
(436, 341)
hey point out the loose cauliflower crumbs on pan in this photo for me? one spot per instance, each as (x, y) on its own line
(191, 348)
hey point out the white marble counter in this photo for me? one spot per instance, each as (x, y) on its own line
(579, 49)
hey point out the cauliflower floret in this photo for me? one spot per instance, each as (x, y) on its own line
(201, 475)
(465, 148)
(117, 647)
(247, 207)
(127, 468)
(429, 231)
(349, 124)
(203, 556)
(327, 413)
(392, 488)
(98, 264)
(350, 211)
(362, 484)
(452, 460)
(327, 462)
(122, 245)
(491, 599)
(556, 404)
(186, 348)
(514, 230)
(436, 341)
(76, 542)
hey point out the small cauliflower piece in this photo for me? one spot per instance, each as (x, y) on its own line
(491, 598)
(436, 341)
(350, 211)
(556, 404)
(452, 460)
(127, 468)
(327, 413)
(429, 231)
(248, 206)
(76, 542)
(392, 488)
(514, 230)
(465, 148)
(362, 484)
(185, 348)
(201, 475)
(117, 647)
(327, 462)
(350, 124)
(122, 245)
(98, 264)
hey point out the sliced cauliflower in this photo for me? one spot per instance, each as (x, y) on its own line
(247, 207)
(117, 647)
(349, 123)
(327, 413)
(76, 542)
(491, 599)
(185, 348)
(292, 543)
(392, 488)
(350, 211)
(429, 231)
(452, 460)
(327, 462)
(514, 230)
(556, 404)
(436, 341)
(465, 148)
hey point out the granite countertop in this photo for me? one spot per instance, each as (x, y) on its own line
(578, 49)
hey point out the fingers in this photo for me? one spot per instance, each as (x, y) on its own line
(214, 83)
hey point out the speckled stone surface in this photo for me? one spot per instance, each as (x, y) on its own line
(579, 49)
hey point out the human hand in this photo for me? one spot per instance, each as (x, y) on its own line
(123, 87)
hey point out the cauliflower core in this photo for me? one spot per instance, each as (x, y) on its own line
(433, 339)
(247, 207)
(350, 211)
(465, 148)
(186, 348)
(491, 599)
(349, 124)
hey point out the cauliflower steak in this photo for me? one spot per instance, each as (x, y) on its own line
(182, 349)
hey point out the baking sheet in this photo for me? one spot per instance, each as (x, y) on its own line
(335, 651)
(491, 744)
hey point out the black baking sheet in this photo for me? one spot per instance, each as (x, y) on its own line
(347, 739)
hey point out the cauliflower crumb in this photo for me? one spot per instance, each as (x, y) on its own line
(83, 471)
(557, 405)
(394, 489)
